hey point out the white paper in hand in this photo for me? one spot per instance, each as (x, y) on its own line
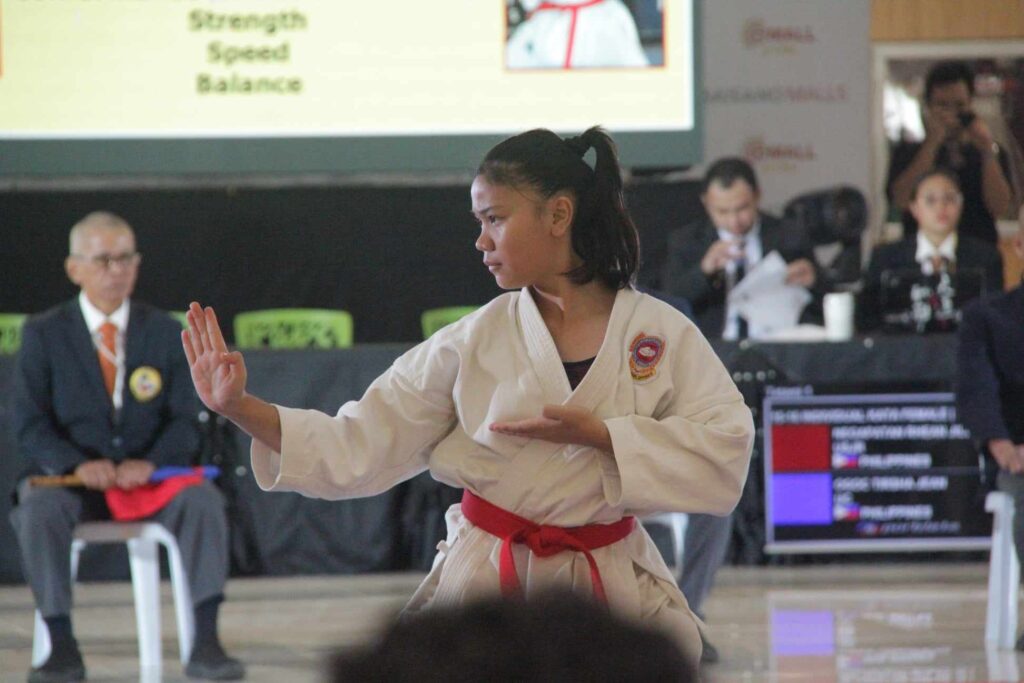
(765, 300)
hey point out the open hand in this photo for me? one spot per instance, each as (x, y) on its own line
(560, 424)
(219, 375)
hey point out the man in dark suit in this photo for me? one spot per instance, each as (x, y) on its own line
(102, 390)
(990, 387)
(706, 258)
(703, 261)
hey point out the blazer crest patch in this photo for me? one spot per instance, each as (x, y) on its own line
(645, 353)
(145, 383)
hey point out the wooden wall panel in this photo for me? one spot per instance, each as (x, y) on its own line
(909, 20)
(1013, 267)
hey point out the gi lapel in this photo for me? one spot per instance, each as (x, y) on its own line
(509, 492)
(608, 362)
(542, 351)
(548, 366)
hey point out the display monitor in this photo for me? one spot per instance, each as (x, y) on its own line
(261, 86)
(857, 471)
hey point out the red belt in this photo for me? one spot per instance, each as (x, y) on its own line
(542, 539)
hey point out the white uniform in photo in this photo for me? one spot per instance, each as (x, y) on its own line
(604, 35)
(681, 433)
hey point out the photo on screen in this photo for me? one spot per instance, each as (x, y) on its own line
(569, 34)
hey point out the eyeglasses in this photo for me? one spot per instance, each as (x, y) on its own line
(104, 261)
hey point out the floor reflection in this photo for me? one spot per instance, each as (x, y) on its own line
(875, 637)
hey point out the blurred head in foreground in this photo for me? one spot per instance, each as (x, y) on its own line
(552, 637)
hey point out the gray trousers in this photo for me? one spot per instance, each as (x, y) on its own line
(1013, 484)
(44, 521)
(707, 540)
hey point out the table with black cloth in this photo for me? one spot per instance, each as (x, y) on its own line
(286, 533)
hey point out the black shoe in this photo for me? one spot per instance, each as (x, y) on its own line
(210, 662)
(64, 666)
(709, 655)
(1020, 643)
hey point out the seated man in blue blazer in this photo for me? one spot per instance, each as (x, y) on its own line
(102, 390)
(990, 387)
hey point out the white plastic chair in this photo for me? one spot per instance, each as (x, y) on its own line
(1003, 574)
(142, 539)
(676, 522)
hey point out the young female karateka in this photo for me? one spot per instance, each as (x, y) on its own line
(563, 408)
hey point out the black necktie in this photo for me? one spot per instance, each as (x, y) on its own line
(741, 269)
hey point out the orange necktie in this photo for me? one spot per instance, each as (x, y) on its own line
(108, 337)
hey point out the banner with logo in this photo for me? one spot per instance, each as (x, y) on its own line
(787, 86)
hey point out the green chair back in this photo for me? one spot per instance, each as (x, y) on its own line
(10, 332)
(434, 319)
(180, 316)
(293, 328)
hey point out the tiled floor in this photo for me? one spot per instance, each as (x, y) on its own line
(852, 623)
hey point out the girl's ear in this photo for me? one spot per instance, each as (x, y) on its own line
(562, 210)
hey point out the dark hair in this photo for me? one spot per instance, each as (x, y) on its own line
(550, 637)
(945, 73)
(603, 234)
(727, 171)
(940, 171)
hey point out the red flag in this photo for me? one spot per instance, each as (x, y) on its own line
(148, 499)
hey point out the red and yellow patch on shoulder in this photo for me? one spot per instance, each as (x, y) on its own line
(645, 352)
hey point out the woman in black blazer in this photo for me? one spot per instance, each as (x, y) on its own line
(931, 275)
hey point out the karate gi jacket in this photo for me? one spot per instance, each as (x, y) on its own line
(681, 434)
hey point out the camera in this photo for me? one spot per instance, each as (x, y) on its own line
(966, 118)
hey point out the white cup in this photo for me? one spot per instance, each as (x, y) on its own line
(838, 316)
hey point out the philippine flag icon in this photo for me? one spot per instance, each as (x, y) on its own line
(844, 461)
(846, 512)
(869, 528)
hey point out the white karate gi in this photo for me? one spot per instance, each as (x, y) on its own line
(682, 440)
(605, 35)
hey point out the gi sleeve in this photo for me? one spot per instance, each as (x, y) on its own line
(693, 455)
(371, 444)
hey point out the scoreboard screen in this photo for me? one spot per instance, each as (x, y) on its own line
(167, 87)
(870, 472)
